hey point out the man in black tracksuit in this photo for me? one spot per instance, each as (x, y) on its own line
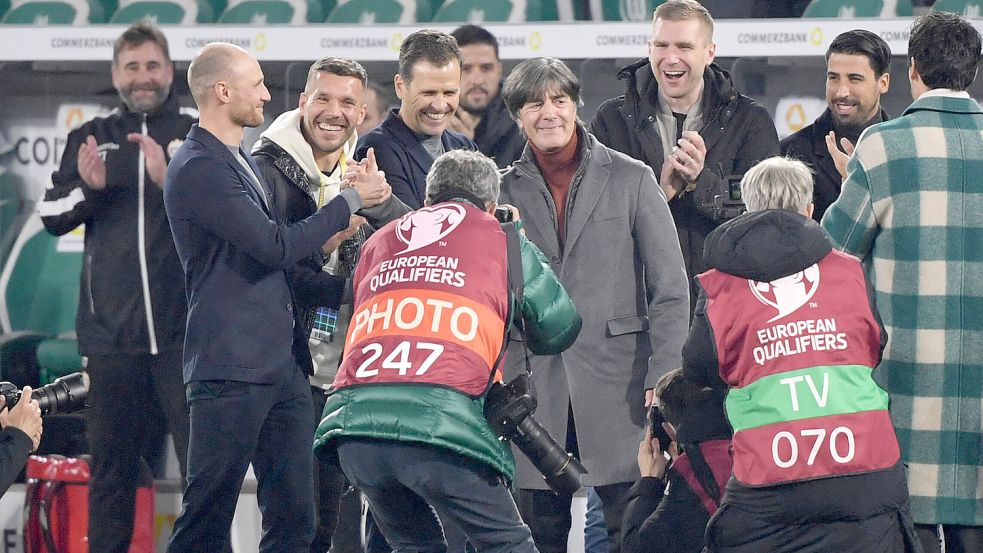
(132, 305)
(682, 116)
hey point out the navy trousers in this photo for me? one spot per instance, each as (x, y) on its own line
(405, 482)
(234, 424)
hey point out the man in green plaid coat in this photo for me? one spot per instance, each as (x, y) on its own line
(911, 208)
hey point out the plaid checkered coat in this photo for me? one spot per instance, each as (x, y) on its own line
(912, 210)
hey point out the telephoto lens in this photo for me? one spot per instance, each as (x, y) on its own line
(65, 395)
(509, 409)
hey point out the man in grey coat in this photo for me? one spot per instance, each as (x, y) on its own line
(602, 220)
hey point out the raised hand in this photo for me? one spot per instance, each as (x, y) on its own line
(839, 157)
(91, 167)
(370, 182)
(669, 180)
(156, 163)
(689, 156)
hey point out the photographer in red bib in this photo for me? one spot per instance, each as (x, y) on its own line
(433, 307)
(788, 325)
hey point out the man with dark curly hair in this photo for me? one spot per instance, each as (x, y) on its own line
(910, 209)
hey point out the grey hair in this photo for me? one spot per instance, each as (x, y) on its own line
(777, 183)
(534, 78)
(465, 170)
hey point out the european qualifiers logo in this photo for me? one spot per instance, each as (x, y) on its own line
(789, 293)
(428, 225)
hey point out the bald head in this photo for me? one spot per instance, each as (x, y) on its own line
(215, 62)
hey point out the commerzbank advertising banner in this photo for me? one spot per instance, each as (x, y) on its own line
(734, 38)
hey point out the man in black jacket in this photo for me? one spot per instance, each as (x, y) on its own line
(132, 306)
(682, 116)
(857, 75)
(482, 115)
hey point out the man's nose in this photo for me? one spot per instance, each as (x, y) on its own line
(265, 97)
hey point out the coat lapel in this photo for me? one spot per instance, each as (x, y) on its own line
(592, 185)
(533, 206)
(209, 141)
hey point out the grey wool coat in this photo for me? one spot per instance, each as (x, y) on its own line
(622, 266)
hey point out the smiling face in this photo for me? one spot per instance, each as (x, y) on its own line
(853, 91)
(549, 123)
(331, 107)
(481, 76)
(143, 75)
(679, 52)
(429, 99)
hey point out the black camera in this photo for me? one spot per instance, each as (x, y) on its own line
(658, 431)
(509, 409)
(65, 395)
(503, 214)
(729, 203)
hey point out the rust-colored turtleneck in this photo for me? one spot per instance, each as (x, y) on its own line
(558, 169)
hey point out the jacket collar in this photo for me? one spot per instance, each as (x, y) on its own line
(495, 123)
(951, 104)
(821, 127)
(641, 93)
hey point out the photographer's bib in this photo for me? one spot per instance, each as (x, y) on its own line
(798, 353)
(431, 301)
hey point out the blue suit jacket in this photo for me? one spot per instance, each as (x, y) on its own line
(236, 259)
(403, 158)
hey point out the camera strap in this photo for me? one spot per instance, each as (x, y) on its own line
(516, 282)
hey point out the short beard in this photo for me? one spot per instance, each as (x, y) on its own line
(162, 93)
(472, 110)
(246, 121)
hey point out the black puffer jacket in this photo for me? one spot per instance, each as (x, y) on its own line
(738, 133)
(116, 279)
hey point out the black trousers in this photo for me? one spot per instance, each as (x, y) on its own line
(234, 424)
(126, 396)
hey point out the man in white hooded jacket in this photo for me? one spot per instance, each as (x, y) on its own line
(303, 156)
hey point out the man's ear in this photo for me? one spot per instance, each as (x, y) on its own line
(490, 207)
(398, 85)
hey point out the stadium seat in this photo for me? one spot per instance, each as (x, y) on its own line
(968, 8)
(629, 10)
(15, 208)
(482, 11)
(164, 12)
(367, 12)
(262, 12)
(54, 12)
(858, 8)
(39, 295)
